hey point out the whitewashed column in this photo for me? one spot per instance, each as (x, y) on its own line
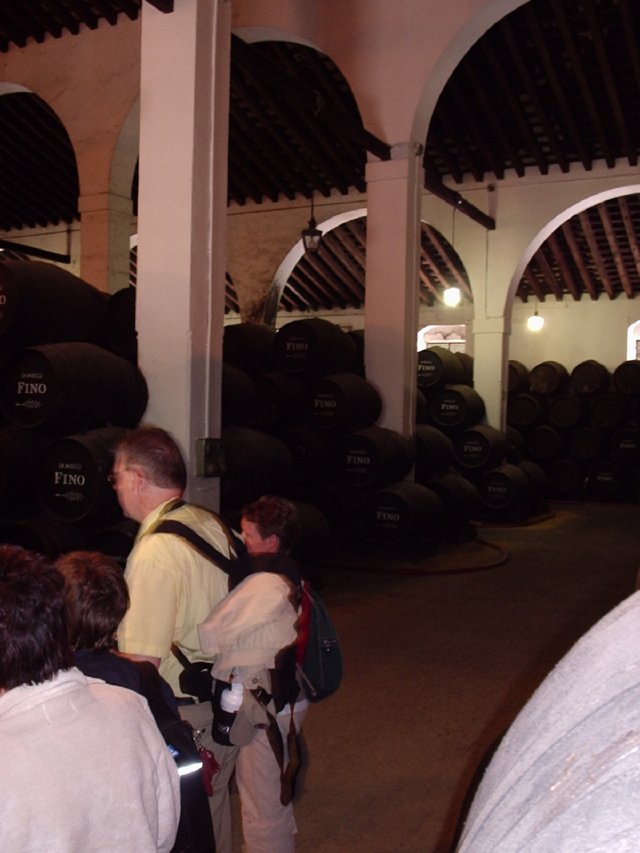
(184, 114)
(391, 279)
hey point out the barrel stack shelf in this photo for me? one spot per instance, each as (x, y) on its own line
(301, 420)
(68, 393)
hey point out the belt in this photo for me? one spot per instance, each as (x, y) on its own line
(185, 700)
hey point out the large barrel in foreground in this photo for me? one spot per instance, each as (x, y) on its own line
(41, 303)
(65, 388)
(72, 477)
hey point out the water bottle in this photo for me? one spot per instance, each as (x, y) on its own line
(225, 714)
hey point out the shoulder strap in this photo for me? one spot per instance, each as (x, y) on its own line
(169, 525)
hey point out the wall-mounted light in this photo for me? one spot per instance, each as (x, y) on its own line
(311, 235)
(535, 322)
(452, 297)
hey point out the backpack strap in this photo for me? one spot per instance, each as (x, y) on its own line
(169, 525)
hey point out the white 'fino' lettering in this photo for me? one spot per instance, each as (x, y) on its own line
(32, 387)
(60, 478)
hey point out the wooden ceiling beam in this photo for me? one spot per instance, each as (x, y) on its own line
(534, 286)
(548, 275)
(574, 134)
(341, 282)
(577, 68)
(615, 250)
(484, 93)
(563, 266)
(530, 88)
(612, 90)
(460, 280)
(630, 230)
(352, 248)
(344, 252)
(578, 258)
(515, 110)
(587, 229)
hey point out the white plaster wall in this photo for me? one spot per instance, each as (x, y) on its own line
(574, 331)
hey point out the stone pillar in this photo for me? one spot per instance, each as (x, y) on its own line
(391, 278)
(182, 222)
(105, 230)
(490, 361)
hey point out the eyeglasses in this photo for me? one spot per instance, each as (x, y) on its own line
(112, 478)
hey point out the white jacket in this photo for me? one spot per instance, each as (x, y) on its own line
(83, 768)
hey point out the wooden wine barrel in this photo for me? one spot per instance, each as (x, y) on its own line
(249, 347)
(609, 411)
(461, 500)
(624, 446)
(280, 398)
(41, 303)
(357, 336)
(548, 377)
(480, 448)
(589, 377)
(71, 387)
(434, 452)
(540, 485)
(516, 445)
(586, 443)
(404, 511)
(504, 489)
(438, 367)
(313, 451)
(314, 539)
(342, 503)
(566, 477)
(115, 540)
(456, 408)
(316, 347)
(120, 336)
(626, 377)
(545, 443)
(239, 396)
(19, 453)
(567, 411)
(256, 464)
(422, 407)
(517, 377)
(525, 411)
(343, 401)
(605, 481)
(466, 361)
(43, 534)
(72, 474)
(375, 456)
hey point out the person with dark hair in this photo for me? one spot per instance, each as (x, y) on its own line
(253, 632)
(172, 585)
(270, 526)
(84, 766)
(97, 599)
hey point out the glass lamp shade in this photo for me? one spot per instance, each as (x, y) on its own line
(452, 297)
(535, 322)
(311, 237)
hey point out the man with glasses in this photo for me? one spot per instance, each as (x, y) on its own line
(172, 586)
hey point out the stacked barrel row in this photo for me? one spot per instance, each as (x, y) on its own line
(301, 419)
(66, 398)
(484, 463)
(582, 426)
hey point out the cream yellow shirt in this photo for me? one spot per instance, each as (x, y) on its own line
(172, 588)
